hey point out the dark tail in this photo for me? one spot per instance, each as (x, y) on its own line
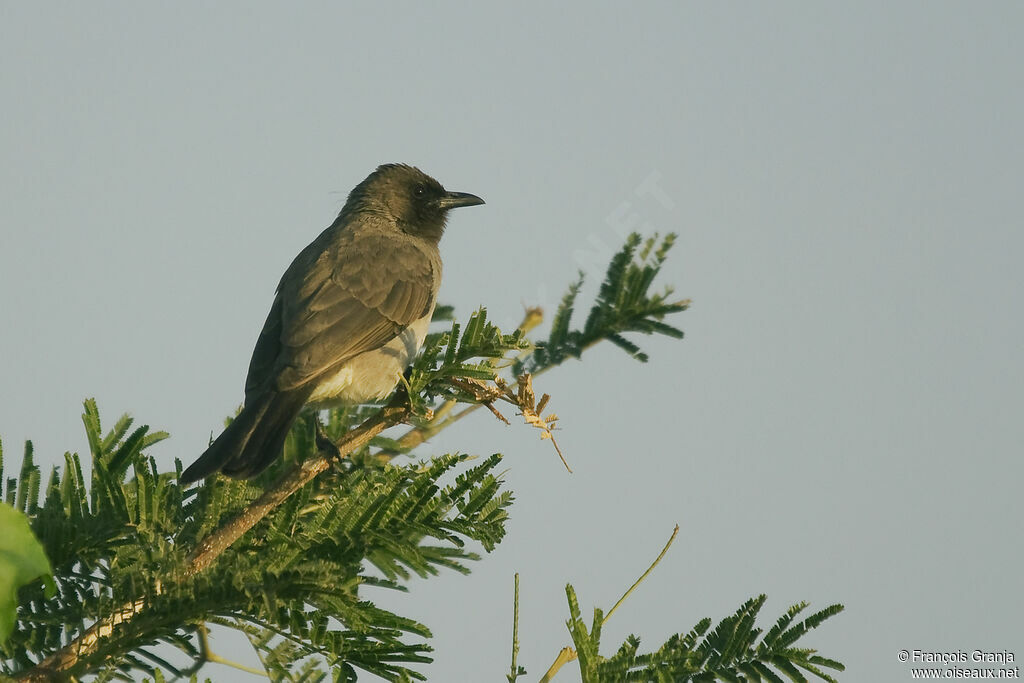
(253, 440)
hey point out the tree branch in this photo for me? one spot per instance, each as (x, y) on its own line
(218, 541)
(56, 666)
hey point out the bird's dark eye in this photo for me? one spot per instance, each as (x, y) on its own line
(420, 192)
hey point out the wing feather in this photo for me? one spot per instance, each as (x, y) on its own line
(353, 296)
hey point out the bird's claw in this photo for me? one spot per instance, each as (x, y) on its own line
(324, 443)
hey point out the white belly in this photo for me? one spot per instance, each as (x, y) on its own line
(372, 375)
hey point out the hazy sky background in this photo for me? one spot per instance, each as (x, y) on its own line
(842, 422)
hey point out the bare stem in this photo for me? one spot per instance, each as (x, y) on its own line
(642, 576)
(565, 655)
(514, 671)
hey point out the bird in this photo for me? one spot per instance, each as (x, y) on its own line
(349, 314)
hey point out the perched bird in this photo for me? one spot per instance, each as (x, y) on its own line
(350, 313)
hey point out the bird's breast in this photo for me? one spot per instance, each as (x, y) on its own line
(372, 375)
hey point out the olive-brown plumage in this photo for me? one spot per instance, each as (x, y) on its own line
(350, 313)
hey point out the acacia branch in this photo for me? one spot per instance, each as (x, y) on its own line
(443, 417)
(56, 666)
(207, 550)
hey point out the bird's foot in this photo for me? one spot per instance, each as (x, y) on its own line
(324, 443)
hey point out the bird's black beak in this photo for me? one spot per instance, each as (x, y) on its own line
(453, 200)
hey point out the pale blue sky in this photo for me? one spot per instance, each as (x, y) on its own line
(842, 422)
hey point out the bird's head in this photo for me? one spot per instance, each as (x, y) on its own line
(415, 201)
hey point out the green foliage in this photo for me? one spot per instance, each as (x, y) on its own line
(624, 304)
(443, 313)
(728, 652)
(22, 560)
(473, 352)
(126, 535)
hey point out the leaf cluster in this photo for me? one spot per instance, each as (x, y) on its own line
(624, 304)
(734, 650)
(125, 537)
